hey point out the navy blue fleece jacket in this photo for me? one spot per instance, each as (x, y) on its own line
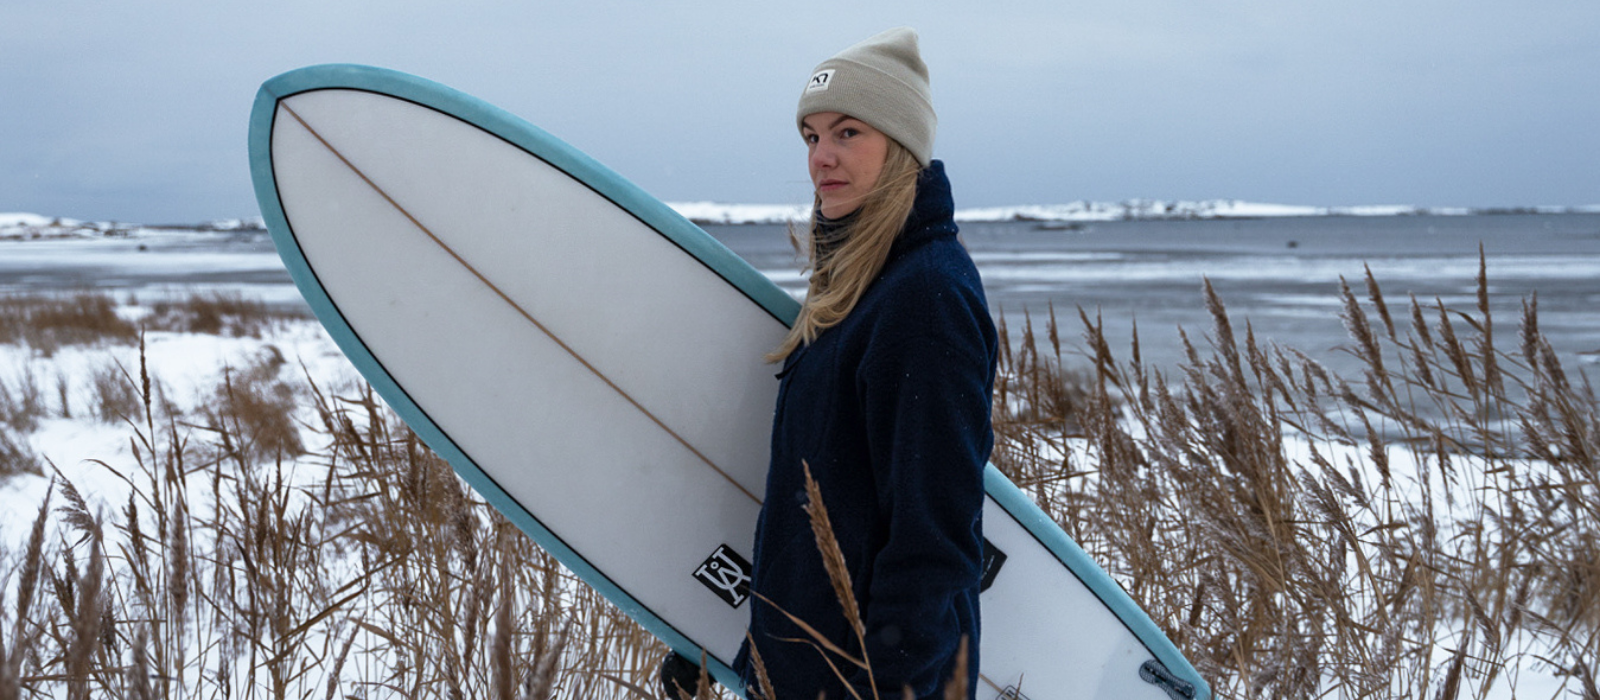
(890, 408)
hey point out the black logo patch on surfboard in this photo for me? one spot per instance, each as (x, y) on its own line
(993, 559)
(727, 574)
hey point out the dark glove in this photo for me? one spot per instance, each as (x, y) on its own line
(678, 673)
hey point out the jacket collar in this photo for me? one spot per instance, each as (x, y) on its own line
(933, 214)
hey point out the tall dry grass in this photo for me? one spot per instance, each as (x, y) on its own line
(227, 314)
(364, 570)
(1428, 529)
(45, 322)
(240, 565)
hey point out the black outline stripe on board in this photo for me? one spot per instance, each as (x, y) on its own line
(523, 312)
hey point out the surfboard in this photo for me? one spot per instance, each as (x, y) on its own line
(590, 362)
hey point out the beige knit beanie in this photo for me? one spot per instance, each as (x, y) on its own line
(883, 82)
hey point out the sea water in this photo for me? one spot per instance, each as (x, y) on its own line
(1281, 276)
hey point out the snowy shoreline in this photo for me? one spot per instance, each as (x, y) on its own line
(24, 226)
(1132, 210)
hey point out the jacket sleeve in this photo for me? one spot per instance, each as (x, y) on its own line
(926, 400)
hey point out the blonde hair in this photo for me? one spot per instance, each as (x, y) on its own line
(843, 264)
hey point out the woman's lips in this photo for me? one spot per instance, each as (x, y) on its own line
(828, 185)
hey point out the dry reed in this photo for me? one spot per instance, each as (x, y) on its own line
(218, 313)
(1423, 533)
(46, 322)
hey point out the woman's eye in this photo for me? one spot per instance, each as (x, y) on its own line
(849, 132)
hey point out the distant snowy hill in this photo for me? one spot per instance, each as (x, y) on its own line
(15, 226)
(715, 213)
(25, 226)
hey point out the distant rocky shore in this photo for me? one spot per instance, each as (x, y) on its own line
(34, 227)
(23, 226)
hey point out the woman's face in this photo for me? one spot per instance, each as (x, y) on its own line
(845, 157)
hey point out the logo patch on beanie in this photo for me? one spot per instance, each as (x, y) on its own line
(820, 81)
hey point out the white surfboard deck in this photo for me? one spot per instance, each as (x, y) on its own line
(591, 363)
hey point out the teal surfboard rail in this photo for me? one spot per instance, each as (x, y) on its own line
(687, 236)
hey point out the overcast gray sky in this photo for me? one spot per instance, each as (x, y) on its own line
(137, 111)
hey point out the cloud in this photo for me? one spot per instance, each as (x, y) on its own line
(138, 111)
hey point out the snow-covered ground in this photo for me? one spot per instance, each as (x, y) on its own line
(26, 225)
(23, 225)
(185, 369)
(718, 213)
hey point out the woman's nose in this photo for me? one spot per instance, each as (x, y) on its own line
(823, 156)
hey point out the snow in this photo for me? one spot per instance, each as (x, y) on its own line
(21, 224)
(26, 225)
(20, 219)
(184, 368)
(1085, 211)
(188, 367)
(254, 222)
(718, 213)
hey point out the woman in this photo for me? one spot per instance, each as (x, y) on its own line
(884, 396)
